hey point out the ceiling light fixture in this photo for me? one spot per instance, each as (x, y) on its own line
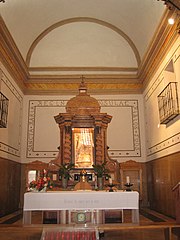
(174, 6)
(171, 21)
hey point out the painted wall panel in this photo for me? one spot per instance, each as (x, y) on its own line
(125, 135)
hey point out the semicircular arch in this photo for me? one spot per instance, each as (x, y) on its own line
(82, 19)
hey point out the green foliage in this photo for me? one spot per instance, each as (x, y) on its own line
(101, 170)
(64, 170)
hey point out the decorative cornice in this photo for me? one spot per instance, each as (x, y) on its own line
(71, 88)
(11, 57)
(90, 78)
(164, 38)
(55, 69)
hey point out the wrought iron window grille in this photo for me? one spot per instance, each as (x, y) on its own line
(3, 110)
(168, 103)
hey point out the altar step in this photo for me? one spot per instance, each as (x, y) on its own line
(12, 217)
(107, 231)
(146, 216)
(152, 226)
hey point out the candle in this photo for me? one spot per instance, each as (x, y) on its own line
(127, 180)
(95, 183)
(110, 181)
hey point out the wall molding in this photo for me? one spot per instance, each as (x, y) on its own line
(163, 145)
(133, 105)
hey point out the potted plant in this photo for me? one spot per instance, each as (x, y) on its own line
(101, 171)
(64, 173)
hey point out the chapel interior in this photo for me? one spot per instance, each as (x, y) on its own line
(89, 84)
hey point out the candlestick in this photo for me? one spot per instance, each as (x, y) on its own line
(128, 187)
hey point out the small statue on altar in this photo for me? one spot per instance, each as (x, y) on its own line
(83, 184)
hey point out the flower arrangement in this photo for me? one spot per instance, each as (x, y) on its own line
(42, 183)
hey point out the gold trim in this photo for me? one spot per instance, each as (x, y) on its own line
(11, 57)
(82, 19)
(72, 88)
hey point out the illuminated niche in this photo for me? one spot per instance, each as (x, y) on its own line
(83, 147)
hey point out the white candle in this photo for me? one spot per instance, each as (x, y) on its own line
(127, 180)
(110, 181)
(95, 184)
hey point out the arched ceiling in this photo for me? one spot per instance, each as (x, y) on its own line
(58, 41)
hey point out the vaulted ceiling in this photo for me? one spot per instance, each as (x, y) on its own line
(48, 45)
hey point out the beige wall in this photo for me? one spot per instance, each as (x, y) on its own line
(10, 137)
(161, 139)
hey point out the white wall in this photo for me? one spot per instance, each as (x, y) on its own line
(41, 134)
(162, 139)
(10, 137)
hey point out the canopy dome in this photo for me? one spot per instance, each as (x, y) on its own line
(83, 104)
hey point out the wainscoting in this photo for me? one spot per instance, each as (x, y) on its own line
(10, 182)
(162, 175)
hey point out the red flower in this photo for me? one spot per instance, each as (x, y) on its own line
(42, 182)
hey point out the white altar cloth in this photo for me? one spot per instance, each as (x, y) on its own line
(81, 200)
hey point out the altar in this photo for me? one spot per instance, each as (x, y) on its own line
(67, 201)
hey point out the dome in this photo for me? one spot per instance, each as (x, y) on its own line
(83, 104)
